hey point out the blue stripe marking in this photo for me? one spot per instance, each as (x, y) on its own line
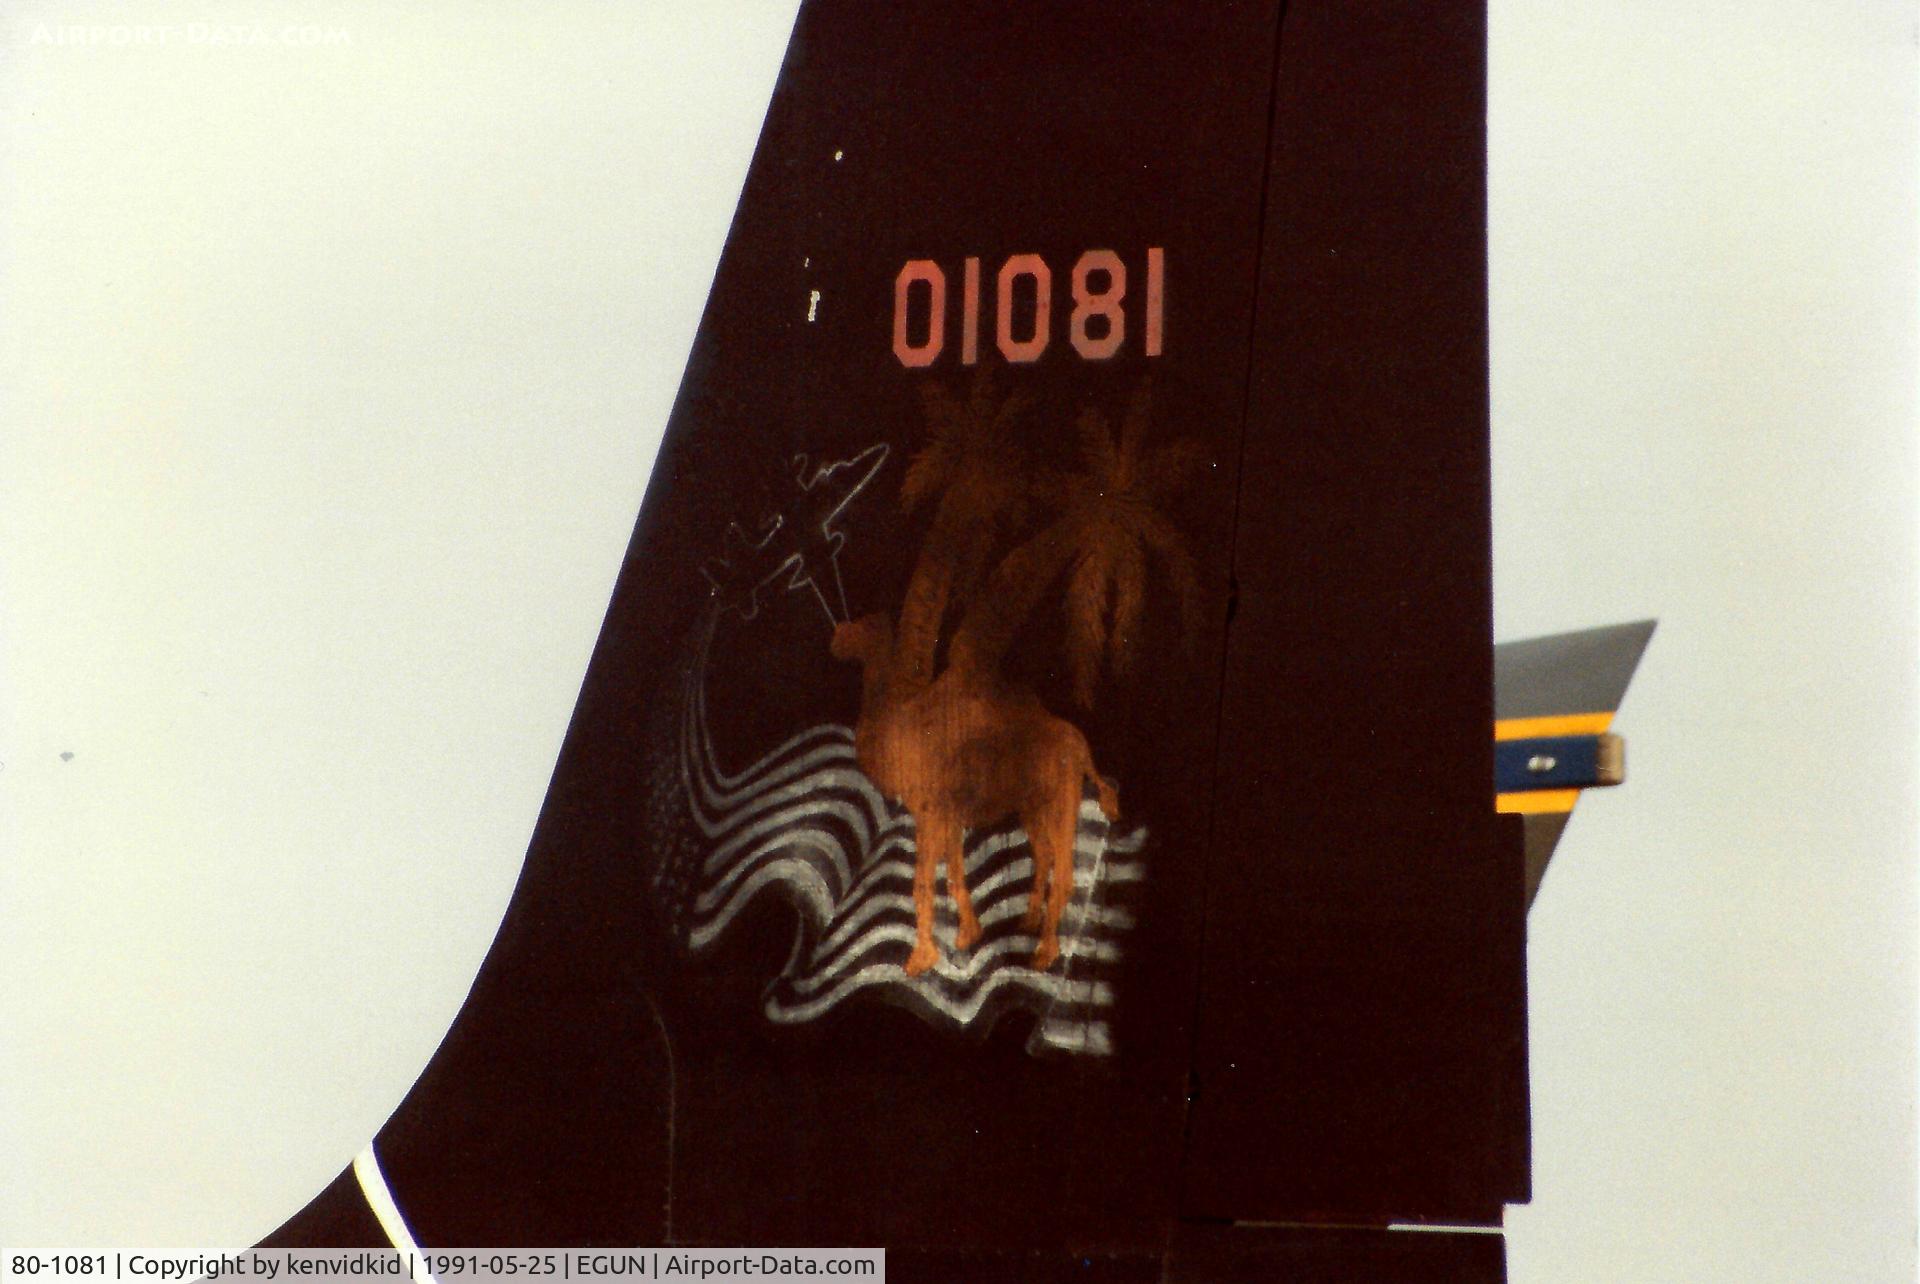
(1546, 762)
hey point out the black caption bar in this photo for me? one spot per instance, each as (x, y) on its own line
(444, 1266)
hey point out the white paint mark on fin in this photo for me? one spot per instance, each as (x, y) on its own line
(813, 304)
(373, 1184)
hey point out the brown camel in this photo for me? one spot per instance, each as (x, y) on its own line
(965, 751)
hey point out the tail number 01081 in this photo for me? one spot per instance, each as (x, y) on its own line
(1023, 311)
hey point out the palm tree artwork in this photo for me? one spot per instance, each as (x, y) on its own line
(958, 744)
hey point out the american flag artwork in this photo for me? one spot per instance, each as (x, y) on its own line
(804, 823)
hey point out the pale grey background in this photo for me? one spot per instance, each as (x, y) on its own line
(332, 369)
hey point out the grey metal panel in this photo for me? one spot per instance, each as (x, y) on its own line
(1584, 672)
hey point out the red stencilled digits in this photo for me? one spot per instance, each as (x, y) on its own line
(1097, 326)
(970, 313)
(1156, 298)
(924, 354)
(1030, 348)
(1104, 304)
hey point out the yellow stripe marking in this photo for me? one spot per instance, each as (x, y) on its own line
(1536, 801)
(1559, 724)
